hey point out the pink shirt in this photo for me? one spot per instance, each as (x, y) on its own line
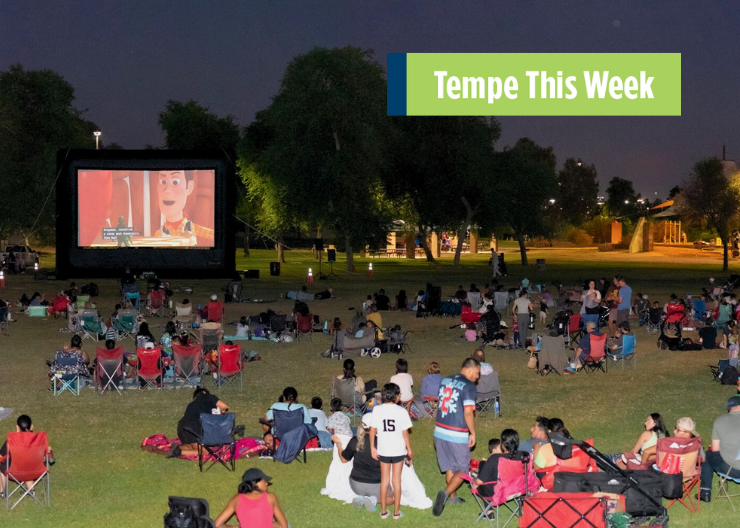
(255, 513)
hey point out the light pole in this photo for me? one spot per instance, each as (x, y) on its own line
(97, 135)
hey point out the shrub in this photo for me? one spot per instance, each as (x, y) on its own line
(578, 237)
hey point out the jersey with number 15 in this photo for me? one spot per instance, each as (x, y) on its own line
(391, 421)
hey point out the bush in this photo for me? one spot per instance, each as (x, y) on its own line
(600, 229)
(578, 237)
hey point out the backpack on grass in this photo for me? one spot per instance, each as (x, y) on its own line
(729, 376)
(186, 512)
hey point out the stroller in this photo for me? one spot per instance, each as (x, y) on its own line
(559, 325)
(603, 317)
(731, 283)
(670, 336)
(431, 303)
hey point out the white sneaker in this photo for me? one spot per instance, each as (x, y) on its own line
(370, 503)
(358, 502)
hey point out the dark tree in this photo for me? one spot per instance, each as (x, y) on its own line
(675, 191)
(621, 198)
(578, 189)
(191, 126)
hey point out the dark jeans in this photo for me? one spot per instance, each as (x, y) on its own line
(715, 462)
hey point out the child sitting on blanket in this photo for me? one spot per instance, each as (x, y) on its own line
(242, 328)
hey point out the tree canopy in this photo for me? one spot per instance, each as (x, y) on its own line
(578, 189)
(621, 198)
(191, 126)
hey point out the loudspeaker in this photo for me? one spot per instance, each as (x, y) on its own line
(331, 255)
(275, 269)
(318, 244)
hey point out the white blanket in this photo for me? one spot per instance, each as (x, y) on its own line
(337, 487)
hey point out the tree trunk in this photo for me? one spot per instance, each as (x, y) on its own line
(425, 245)
(460, 240)
(522, 249)
(280, 252)
(724, 262)
(350, 256)
(246, 242)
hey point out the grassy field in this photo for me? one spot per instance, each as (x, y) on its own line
(102, 477)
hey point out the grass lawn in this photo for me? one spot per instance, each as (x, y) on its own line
(102, 477)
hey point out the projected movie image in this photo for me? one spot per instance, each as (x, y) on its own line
(149, 208)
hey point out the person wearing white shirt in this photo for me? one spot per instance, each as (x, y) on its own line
(318, 417)
(404, 380)
(390, 425)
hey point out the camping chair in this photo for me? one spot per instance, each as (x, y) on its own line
(229, 365)
(511, 488)
(81, 301)
(277, 323)
(218, 439)
(398, 342)
(156, 303)
(596, 359)
(59, 305)
(187, 361)
(717, 370)
(474, 300)
(575, 329)
(90, 325)
(488, 393)
(429, 407)
(304, 326)
(552, 357)
(28, 463)
(292, 433)
(699, 308)
(67, 382)
(233, 291)
(681, 455)
(655, 319)
(344, 389)
(109, 367)
(4, 323)
(125, 324)
(149, 367)
(184, 314)
(501, 302)
(725, 477)
(214, 312)
(590, 318)
(626, 352)
(134, 298)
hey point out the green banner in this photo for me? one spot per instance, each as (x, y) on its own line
(539, 84)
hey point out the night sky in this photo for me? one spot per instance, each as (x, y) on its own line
(126, 59)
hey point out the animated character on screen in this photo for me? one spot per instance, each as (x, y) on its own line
(173, 189)
(123, 240)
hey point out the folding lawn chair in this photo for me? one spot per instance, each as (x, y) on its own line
(590, 318)
(596, 359)
(59, 305)
(109, 369)
(229, 365)
(90, 325)
(552, 357)
(125, 324)
(304, 326)
(398, 342)
(134, 298)
(453, 309)
(429, 407)
(81, 301)
(277, 323)
(474, 300)
(218, 439)
(626, 352)
(149, 368)
(67, 382)
(187, 359)
(575, 328)
(28, 463)
(510, 490)
(292, 433)
(156, 303)
(344, 389)
(501, 302)
(724, 478)
(184, 314)
(655, 319)
(488, 393)
(681, 455)
(717, 370)
(699, 308)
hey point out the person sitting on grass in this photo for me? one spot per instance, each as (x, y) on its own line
(402, 302)
(390, 425)
(382, 301)
(364, 479)
(320, 423)
(338, 422)
(188, 428)
(242, 327)
(288, 403)
(253, 505)
(727, 331)
(22, 425)
(471, 333)
(405, 382)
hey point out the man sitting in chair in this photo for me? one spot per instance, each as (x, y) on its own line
(725, 448)
(173, 189)
(584, 345)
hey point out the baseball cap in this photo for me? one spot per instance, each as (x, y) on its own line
(733, 402)
(367, 420)
(255, 474)
(687, 424)
(214, 297)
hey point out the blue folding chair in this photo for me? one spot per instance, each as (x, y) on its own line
(590, 318)
(699, 308)
(67, 382)
(626, 352)
(135, 298)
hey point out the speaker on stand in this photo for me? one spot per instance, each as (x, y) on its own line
(331, 258)
(318, 244)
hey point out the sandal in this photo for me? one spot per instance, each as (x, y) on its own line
(384, 515)
(396, 517)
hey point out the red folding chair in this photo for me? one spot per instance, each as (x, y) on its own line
(596, 359)
(467, 315)
(430, 406)
(681, 455)
(229, 365)
(149, 367)
(109, 371)
(214, 311)
(59, 305)
(304, 326)
(188, 366)
(156, 303)
(574, 327)
(28, 463)
(579, 462)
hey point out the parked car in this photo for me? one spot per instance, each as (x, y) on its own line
(24, 255)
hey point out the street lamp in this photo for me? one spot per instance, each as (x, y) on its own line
(97, 135)
(552, 201)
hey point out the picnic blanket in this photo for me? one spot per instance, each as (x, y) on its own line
(160, 444)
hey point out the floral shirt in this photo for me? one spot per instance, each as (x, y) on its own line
(78, 367)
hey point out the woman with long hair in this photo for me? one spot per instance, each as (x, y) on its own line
(253, 505)
(507, 447)
(643, 453)
(361, 387)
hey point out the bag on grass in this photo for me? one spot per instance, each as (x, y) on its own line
(729, 376)
(532, 363)
(186, 512)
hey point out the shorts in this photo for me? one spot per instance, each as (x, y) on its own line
(612, 315)
(452, 456)
(392, 459)
(623, 315)
(368, 490)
